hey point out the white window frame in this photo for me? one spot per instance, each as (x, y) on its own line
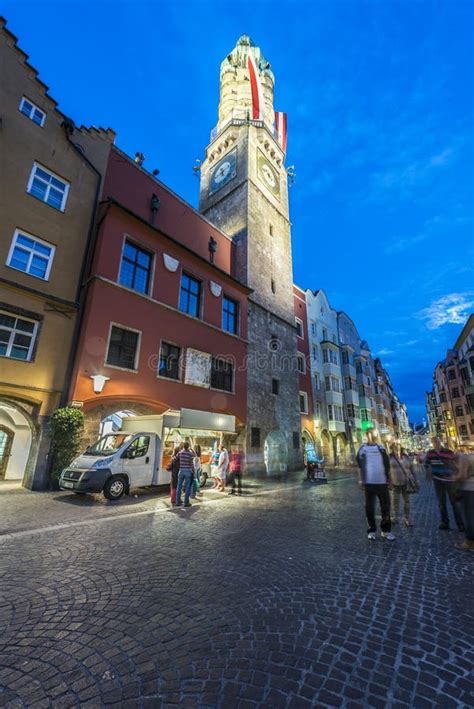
(305, 399)
(21, 332)
(301, 358)
(299, 322)
(57, 177)
(35, 107)
(137, 351)
(21, 232)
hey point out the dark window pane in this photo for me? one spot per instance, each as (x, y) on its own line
(122, 348)
(230, 315)
(221, 374)
(190, 295)
(169, 361)
(135, 268)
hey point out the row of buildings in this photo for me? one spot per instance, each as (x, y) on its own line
(121, 299)
(450, 403)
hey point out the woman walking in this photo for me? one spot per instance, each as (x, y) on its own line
(197, 471)
(399, 484)
(222, 468)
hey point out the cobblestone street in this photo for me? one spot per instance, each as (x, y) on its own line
(274, 599)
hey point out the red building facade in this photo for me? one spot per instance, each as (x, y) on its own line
(304, 369)
(165, 322)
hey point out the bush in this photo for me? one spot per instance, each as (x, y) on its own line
(67, 426)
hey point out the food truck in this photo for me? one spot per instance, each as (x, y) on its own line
(138, 455)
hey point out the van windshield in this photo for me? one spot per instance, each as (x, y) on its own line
(109, 444)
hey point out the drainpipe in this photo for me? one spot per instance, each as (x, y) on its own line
(69, 127)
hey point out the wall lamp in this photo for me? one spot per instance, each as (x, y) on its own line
(98, 382)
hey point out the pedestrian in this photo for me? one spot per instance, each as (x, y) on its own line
(173, 468)
(222, 468)
(465, 476)
(196, 486)
(374, 472)
(215, 467)
(236, 465)
(399, 472)
(440, 463)
(185, 475)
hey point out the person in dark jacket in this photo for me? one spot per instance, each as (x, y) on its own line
(174, 465)
(374, 472)
(442, 464)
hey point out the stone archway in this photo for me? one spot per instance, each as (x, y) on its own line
(275, 452)
(22, 438)
(96, 415)
(326, 446)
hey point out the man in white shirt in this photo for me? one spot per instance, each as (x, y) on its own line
(374, 469)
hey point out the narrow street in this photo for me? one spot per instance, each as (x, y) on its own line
(272, 599)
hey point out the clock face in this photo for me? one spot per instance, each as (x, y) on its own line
(224, 171)
(267, 174)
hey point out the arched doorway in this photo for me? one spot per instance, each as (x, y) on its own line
(310, 452)
(275, 452)
(15, 442)
(327, 447)
(113, 422)
(342, 450)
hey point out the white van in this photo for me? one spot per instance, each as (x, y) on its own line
(138, 454)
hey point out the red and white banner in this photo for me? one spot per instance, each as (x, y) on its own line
(281, 129)
(256, 89)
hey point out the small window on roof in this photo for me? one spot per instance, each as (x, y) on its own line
(32, 111)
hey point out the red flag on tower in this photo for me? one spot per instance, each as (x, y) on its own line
(281, 129)
(256, 89)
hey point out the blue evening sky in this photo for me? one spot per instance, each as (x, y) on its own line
(380, 116)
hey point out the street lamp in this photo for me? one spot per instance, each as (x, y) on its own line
(98, 382)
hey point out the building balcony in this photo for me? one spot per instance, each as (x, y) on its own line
(348, 370)
(351, 396)
(364, 402)
(337, 426)
(331, 368)
(334, 397)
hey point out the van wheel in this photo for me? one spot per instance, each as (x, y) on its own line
(114, 488)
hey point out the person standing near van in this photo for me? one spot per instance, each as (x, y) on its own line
(223, 468)
(174, 469)
(374, 472)
(197, 471)
(236, 464)
(185, 475)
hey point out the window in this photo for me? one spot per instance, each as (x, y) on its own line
(365, 415)
(459, 411)
(315, 352)
(330, 412)
(359, 367)
(123, 348)
(31, 255)
(300, 363)
(325, 333)
(339, 413)
(442, 397)
(275, 386)
(329, 356)
(313, 328)
(28, 108)
(345, 357)
(190, 295)
(303, 402)
(296, 440)
(455, 393)
(464, 375)
(255, 437)
(169, 361)
(135, 267)
(463, 430)
(138, 448)
(317, 409)
(230, 315)
(335, 384)
(451, 374)
(299, 327)
(222, 374)
(352, 411)
(17, 336)
(48, 187)
(316, 381)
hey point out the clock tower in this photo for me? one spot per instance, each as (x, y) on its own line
(244, 191)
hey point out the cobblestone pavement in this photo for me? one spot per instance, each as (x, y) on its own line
(274, 599)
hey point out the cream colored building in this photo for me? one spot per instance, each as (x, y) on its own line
(50, 181)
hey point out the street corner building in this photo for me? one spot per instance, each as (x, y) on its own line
(49, 187)
(121, 299)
